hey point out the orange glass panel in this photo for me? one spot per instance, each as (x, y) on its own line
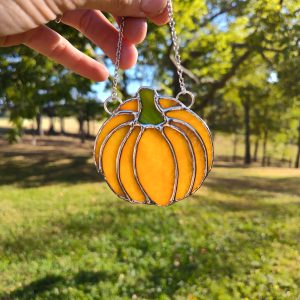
(109, 156)
(167, 103)
(126, 168)
(200, 127)
(111, 123)
(199, 155)
(184, 161)
(156, 167)
(131, 105)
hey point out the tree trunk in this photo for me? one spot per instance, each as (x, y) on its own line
(297, 161)
(265, 142)
(39, 129)
(235, 143)
(62, 125)
(51, 127)
(88, 125)
(81, 130)
(33, 141)
(247, 158)
(269, 161)
(284, 160)
(256, 149)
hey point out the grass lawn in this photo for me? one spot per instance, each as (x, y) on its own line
(64, 235)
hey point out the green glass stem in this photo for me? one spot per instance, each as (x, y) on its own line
(149, 113)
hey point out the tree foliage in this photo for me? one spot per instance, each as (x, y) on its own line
(240, 58)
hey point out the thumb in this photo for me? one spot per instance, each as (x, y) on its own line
(132, 8)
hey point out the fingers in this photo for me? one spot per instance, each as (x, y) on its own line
(11, 40)
(51, 44)
(95, 26)
(161, 19)
(98, 29)
(133, 8)
(135, 29)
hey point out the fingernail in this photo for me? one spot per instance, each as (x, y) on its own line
(153, 7)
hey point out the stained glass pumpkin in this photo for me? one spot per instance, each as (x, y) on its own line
(154, 150)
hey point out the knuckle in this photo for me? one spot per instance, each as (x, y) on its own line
(32, 35)
(58, 49)
(122, 4)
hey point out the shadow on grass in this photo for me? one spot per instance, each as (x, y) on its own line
(183, 259)
(250, 186)
(34, 289)
(142, 231)
(39, 169)
(119, 225)
(53, 160)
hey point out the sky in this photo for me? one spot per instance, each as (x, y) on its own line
(103, 93)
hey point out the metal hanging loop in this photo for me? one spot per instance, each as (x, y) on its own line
(191, 95)
(110, 100)
(58, 19)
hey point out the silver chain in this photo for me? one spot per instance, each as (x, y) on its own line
(175, 46)
(114, 95)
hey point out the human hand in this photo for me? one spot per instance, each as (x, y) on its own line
(23, 22)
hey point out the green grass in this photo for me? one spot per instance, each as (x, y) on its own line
(64, 235)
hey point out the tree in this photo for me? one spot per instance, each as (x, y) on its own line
(232, 53)
(218, 40)
(289, 78)
(31, 85)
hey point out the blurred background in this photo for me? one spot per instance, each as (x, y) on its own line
(65, 235)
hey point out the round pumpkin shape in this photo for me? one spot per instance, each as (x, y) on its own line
(153, 150)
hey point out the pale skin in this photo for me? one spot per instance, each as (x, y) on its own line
(23, 22)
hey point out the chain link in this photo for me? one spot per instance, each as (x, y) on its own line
(175, 46)
(114, 94)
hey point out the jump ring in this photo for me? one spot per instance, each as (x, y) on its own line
(187, 93)
(109, 100)
(58, 19)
